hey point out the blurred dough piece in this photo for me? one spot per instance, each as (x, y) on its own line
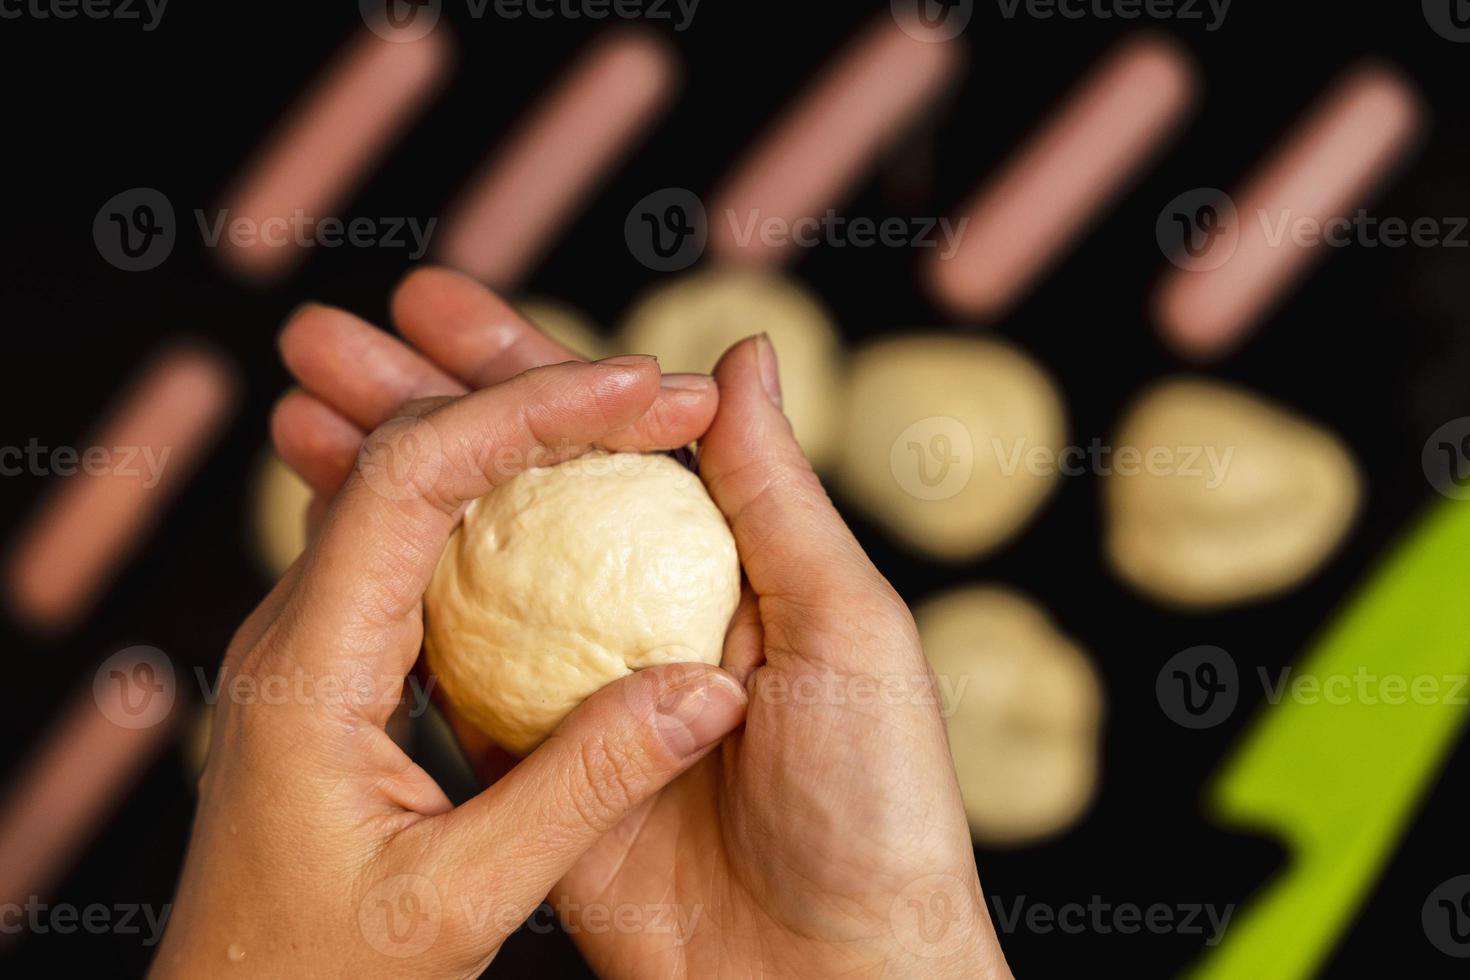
(692, 321)
(195, 737)
(1024, 710)
(938, 432)
(566, 326)
(1265, 499)
(281, 499)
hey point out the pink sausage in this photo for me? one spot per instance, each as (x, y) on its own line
(1057, 184)
(1328, 165)
(91, 522)
(546, 170)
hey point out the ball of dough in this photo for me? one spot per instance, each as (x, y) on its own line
(280, 501)
(693, 321)
(566, 326)
(568, 577)
(1244, 498)
(1024, 710)
(940, 433)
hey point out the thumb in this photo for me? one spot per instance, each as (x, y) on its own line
(516, 839)
(793, 544)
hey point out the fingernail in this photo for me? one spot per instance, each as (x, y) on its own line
(625, 360)
(699, 713)
(687, 382)
(770, 370)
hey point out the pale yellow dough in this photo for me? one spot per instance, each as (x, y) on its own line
(566, 326)
(691, 322)
(280, 501)
(1266, 501)
(941, 441)
(1024, 709)
(569, 577)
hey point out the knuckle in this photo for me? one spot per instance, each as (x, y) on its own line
(606, 781)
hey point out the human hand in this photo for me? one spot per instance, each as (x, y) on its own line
(319, 847)
(828, 836)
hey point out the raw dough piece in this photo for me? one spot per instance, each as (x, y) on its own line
(566, 326)
(280, 501)
(691, 322)
(943, 438)
(571, 576)
(1250, 501)
(1024, 710)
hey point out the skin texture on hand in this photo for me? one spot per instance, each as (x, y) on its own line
(825, 837)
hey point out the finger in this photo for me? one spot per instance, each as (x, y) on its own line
(616, 750)
(793, 544)
(467, 330)
(744, 649)
(475, 336)
(315, 441)
(383, 536)
(355, 368)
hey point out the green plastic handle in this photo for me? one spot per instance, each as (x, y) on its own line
(1340, 777)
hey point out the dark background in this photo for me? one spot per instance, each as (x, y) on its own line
(1374, 344)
